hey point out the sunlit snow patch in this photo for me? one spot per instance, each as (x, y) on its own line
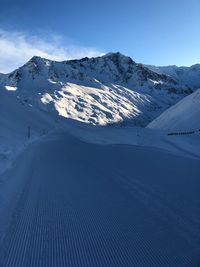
(10, 88)
(46, 98)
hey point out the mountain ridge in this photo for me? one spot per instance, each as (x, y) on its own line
(189, 76)
(101, 90)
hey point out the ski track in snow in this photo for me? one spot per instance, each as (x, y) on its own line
(86, 205)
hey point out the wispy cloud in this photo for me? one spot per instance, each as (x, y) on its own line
(16, 48)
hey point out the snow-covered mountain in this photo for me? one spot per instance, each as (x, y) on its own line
(78, 194)
(100, 90)
(184, 116)
(189, 76)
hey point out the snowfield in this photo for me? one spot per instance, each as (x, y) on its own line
(81, 182)
(184, 116)
(83, 204)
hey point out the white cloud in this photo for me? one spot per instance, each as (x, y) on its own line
(16, 48)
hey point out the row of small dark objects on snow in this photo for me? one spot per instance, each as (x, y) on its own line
(184, 133)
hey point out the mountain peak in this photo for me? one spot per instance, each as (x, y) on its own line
(113, 54)
(117, 56)
(36, 59)
(39, 60)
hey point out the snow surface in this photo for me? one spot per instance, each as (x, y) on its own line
(14, 122)
(184, 116)
(70, 202)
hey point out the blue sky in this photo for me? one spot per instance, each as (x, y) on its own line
(150, 31)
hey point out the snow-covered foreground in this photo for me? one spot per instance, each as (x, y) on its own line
(70, 200)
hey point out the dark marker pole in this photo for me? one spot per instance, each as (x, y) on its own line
(29, 132)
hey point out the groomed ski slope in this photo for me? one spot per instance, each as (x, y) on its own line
(68, 202)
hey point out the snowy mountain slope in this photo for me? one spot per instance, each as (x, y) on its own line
(99, 90)
(184, 116)
(189, 76)
(43, 93)
(15, 118)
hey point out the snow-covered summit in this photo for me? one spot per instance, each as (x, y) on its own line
(189, 76)
(112, 67)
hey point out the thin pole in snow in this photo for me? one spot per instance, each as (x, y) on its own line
(29, 132)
